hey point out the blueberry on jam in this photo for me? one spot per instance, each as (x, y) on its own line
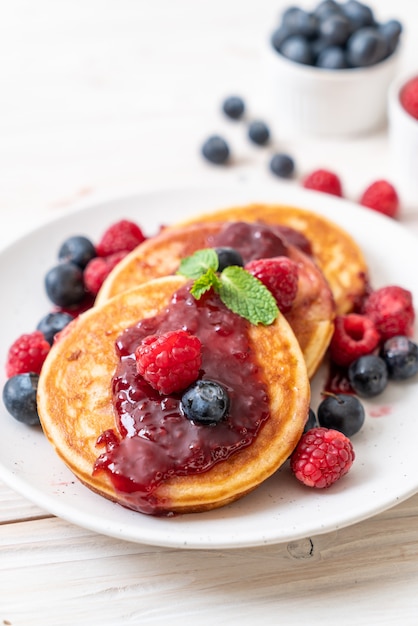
(227, 257)
(205, 402)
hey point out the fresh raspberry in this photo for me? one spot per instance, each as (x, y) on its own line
(391, 310)
(409, 97)
(123, 236)
(280, 276)
(382, 197)
(322, 457)
(323, 180)
(169, 362)
(354, 336)
(27, 354)
(98, 269)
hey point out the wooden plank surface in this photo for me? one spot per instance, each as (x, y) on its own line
(72, 576)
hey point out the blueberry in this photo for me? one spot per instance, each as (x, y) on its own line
(233, 107)
(77, 249)
(341, 412)
(368, 375)
(311, 422)
(326, 8)
(282, 165)
(401, 357)
(259, 132)
(391, 31)
(227, 257)
(299, 22)
(64, 284)
(205, 402)
(278, 37)
(297, 48)
(52, 324)
(359, 14)
(19, 398)
(332, 58)
(216, 150)
(365, 47)
(335, 30)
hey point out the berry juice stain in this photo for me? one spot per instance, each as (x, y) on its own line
(153, 440)
(380, 411)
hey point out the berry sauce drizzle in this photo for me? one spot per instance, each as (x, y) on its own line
(155, 441)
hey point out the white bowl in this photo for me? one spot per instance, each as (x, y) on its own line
(306, 100)
(403, 145)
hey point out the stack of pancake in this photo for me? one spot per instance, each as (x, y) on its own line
(75, 400)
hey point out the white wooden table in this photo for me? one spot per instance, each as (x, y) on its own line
(104, 97)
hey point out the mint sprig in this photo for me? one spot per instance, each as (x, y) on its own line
(239, 290)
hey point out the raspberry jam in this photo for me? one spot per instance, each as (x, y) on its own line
(155, 441)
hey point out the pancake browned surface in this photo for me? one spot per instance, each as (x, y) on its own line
(337, 254)
(75, 401)
(312, 313)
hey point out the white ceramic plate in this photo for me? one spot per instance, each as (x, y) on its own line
(384, 472)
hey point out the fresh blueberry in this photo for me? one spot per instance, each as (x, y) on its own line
(299, 22)
(216, 150)
(205, 402)
(332, 58)
(19, 398)
(278, 37)
(401, 357)
(77, 249)
(64, 284)
(359, 14)
(259, 132)
(311, 422)
(52, 324)
(297, 48)
(368, 375)
(391, 31)
(326, 8)
(227, 257)
(233, 107)
(282, 165)
(367, 46)
(335, 30)
(341, 412)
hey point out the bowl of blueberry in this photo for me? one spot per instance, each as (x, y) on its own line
(328, 69)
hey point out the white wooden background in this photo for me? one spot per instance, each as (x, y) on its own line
(99, 98)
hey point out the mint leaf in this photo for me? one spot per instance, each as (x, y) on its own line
(204, 283)
(199, 263)
(245, 295)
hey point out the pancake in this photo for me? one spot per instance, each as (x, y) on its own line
(75, 404)
(311, 316)
(335, 251)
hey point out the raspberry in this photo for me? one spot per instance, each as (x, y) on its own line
(409, 97)
(123, 236)
(323, 180)
(354, 336)
(322, 457)
(98, 269)
(391, 310)
(27, 354)
(382, 197)
(169, 362)
(280, 276)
